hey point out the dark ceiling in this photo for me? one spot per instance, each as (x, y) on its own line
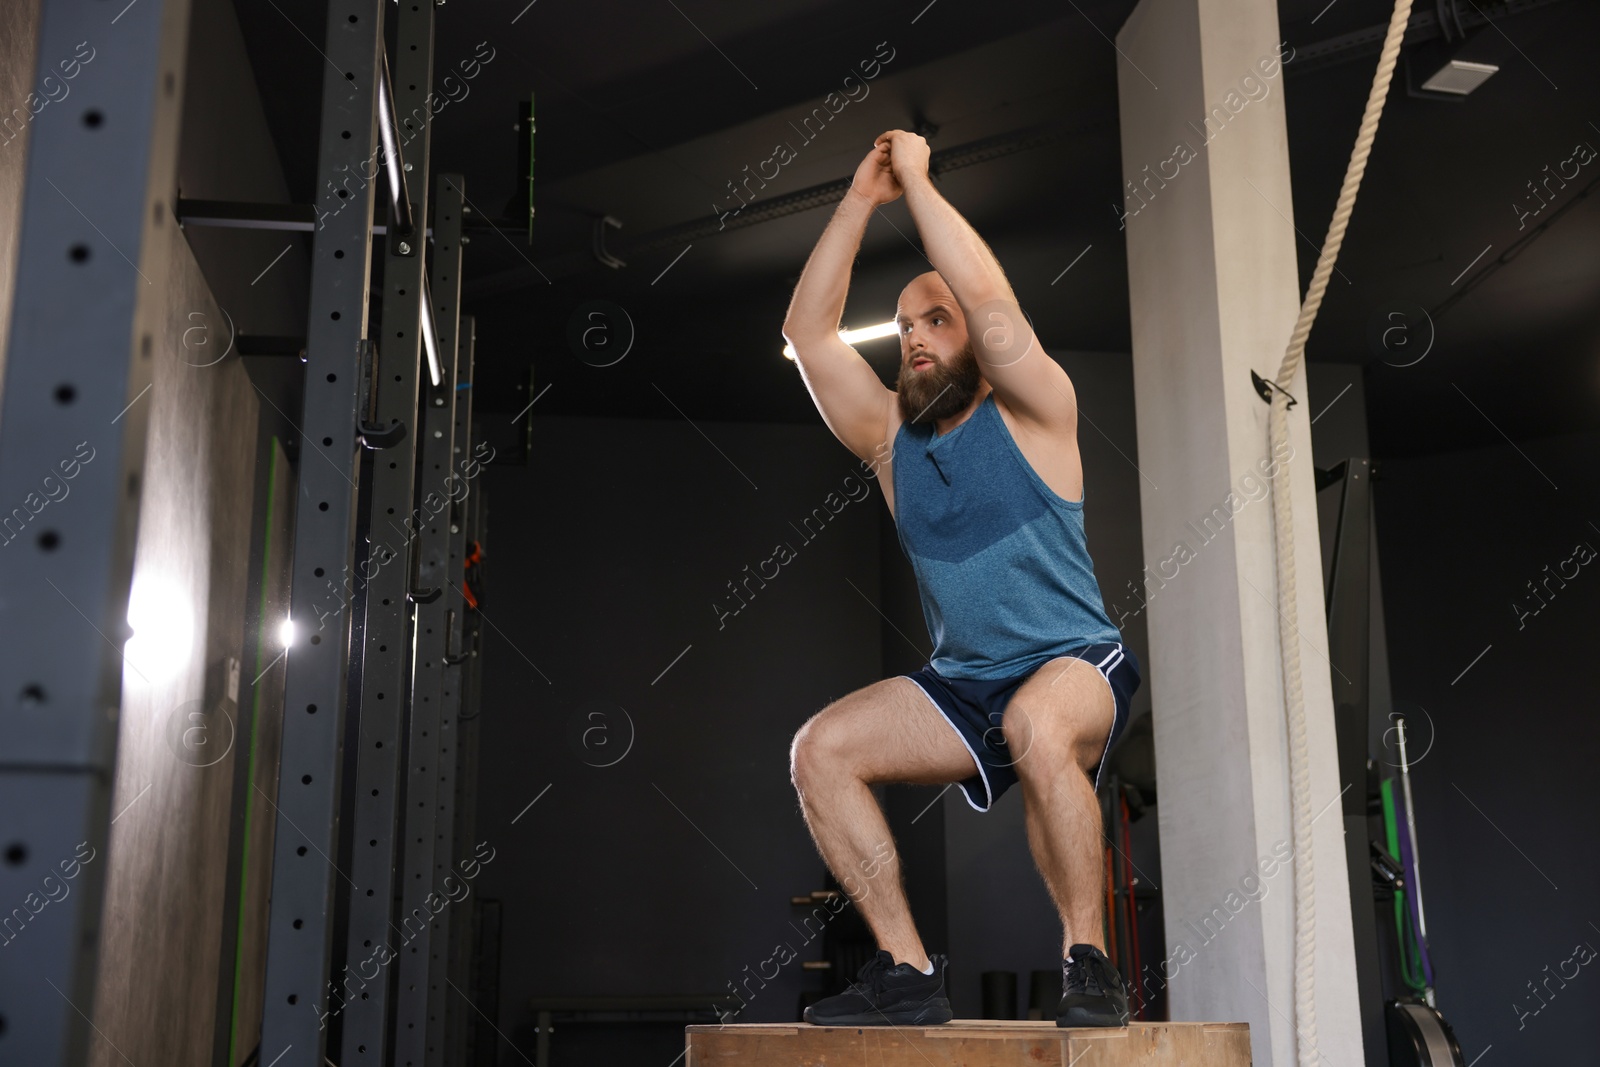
(648, 109)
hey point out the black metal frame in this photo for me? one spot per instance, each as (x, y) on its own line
(1348, 596)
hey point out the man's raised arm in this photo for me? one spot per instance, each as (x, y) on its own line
(1019, 371)
(853, 402)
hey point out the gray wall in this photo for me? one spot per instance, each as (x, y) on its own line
(1506, 799)
(670, 871)
(1503, 790)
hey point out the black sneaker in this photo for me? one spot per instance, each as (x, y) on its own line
(886, 993)
(1094, 994)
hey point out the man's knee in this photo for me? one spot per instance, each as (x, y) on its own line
(815, 752)
(1037, 742)
(1047, 742)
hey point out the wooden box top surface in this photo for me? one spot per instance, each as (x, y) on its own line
(969, 1043)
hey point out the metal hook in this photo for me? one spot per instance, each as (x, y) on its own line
(1264, 387)
(600, 252)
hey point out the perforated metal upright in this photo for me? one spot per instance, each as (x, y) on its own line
(451, 852)
(88, 312)
(425, 897)
(362, 989)
(461, 1015)
(299, 931)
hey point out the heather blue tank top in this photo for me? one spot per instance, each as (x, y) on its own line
(1000, 558)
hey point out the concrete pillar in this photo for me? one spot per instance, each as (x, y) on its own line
(1213, 294)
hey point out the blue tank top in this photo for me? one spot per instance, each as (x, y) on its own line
(1000, 558)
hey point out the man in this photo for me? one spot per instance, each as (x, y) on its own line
(978, 459)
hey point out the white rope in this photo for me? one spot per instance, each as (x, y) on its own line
(1305, 1014)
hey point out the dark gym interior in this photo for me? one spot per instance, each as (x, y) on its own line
(631, 442)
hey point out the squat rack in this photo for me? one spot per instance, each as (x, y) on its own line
(383, 533)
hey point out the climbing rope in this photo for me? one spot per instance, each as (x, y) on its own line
(1305, 1014)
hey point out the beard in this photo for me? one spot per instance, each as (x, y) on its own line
(940, 391)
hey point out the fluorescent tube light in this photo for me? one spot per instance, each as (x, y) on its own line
(850, 337)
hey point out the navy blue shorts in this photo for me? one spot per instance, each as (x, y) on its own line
(975, 707)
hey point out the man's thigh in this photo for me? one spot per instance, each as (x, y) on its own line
(1064, 710)
(889, 731)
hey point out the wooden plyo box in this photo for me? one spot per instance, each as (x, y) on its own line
(969, 1043)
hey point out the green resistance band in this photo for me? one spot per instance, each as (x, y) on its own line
(1410, 958)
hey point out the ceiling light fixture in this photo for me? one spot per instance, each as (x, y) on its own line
(1450, 67)
(1459, 76)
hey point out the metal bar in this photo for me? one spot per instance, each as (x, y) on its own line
(365, 985)
(89, 314)
(416, 1031)
(1415, 888)
(442, 1004)
(299, 931)
(389, 127)
(430, 331)
(244, 215)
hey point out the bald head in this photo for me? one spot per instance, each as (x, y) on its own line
(927, 312)
(924, 288)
